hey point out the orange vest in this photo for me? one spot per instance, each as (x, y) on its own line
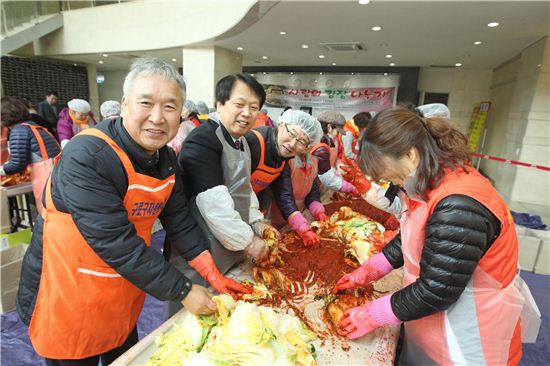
(84, 307)
(261, 120)
(40, 171)
(302, 179)
(482, 327)
(333, 152)
(263, 175)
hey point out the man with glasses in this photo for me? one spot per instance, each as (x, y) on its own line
(215, 160)
(272, 147)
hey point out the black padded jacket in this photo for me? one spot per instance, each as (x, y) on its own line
(458, 233)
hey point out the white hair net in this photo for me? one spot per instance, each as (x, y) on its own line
(79, 105)
(109, 108)
(435, 110)
(306, 122)
(332, 117)
(190, 106)
(202, 108)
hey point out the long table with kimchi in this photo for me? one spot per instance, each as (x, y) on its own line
(299, 280)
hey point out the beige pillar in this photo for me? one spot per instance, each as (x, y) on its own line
(93, 90)
(204, 66)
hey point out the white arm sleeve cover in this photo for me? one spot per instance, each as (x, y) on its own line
(332, 180)
(347, 140)
(255, 213)
(218, 210)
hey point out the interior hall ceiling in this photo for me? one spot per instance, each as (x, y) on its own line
(415, 33)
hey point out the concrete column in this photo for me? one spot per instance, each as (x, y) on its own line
(93, 91)
(204, 66)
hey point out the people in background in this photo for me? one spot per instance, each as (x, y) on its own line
(89, 264)
(296, 189)
(329, 151)
(457, 244)
(30, 145)
(73, 119)
(189, 120)
(37, 118)
(272, 147)
(361, 120)
(48, 108)
(202, 110)
(110, 109)
(263, 119)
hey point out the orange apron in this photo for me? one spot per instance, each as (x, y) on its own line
(302, 179)
(482, 327)
(262, 177)
(84, 307)
(40, 171)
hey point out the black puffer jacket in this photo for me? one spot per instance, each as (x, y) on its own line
(458, 234)
(90, 183)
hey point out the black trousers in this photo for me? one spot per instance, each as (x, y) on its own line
(106, 358)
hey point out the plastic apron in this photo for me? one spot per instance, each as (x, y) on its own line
(40, 171)
(302, 178)
(479, 327)
(264, 175)
(84, 307)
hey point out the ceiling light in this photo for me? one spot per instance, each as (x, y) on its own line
(392, 64)
(334, 64)
(305, 46)
(100, 62)
(353, 73)
(251, 74)
(75, 64)
(389, 56)
(458, 64)
(282, 33)
(240, 48)
(364, 2)
(385, 74)
(291, 73)
(264, 57)
(264, 72)
(492, 24)
(105, 55)
(320, 73)
(315, 80)
(321, 56)
(174, 60)
(477, 43)
(376, 29)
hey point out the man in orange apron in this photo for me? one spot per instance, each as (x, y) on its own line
(272, 147)
(457, 245)
(89, 265)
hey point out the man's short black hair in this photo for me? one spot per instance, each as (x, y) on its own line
(225, 85)
(52, 92)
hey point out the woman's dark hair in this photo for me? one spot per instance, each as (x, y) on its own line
(395, 131)
(225, 86)
(362, 119)
(13, 111)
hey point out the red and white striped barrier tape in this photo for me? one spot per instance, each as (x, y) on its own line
(509, 161)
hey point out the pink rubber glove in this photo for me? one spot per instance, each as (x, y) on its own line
(347, 187)
(363, 319)
(376, 267)
(299, 224)
(318, 211)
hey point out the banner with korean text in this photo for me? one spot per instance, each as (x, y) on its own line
(342, 99)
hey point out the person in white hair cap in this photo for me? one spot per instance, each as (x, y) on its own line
(73, 119)
(435, 110)
(110, 109)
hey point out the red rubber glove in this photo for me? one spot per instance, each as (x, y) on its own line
(321, 217)
(204, 264)
(376, 267)
(310, 238)
(318, 211)
(363, 319)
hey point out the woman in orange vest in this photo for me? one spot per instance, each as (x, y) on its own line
(89, 265)
(272, 147)
(457, 245)
(30, 145)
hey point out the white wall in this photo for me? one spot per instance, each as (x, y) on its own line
(465, 87)
(111, 89)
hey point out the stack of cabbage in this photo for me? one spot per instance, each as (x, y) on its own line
(240, 333)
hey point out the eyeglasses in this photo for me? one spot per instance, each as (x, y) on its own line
(301, 143)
